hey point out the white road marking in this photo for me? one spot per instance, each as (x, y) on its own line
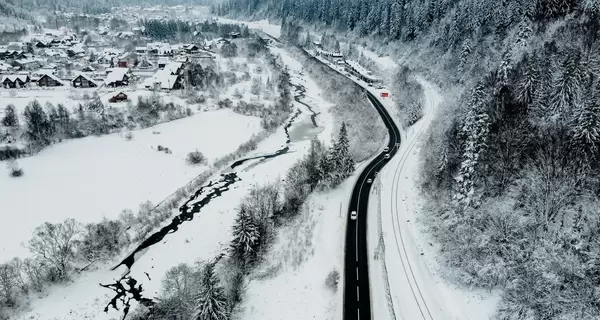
(357, 293)
(356, 273)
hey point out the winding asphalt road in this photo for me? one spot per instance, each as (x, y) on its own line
(357, 298)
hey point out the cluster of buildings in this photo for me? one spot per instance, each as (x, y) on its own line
(352, 67)
(57, 58)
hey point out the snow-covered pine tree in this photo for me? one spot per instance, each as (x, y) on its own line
(10, 118)
(475, 130)
(211, 301)
(326, 168)
(566, 85)
(343, 165)
(395, 20)
(312, 163)
(245, 236)
(528, 83)
(586, 122)
(464, 54)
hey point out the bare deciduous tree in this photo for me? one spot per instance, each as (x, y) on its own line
(55, 245)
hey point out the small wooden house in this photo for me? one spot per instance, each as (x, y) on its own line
(84, 81)
(49, 80)
(15, 81)
(119, 97)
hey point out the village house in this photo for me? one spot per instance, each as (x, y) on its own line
(15, 81)
(117, 77)
(165, 80)
(162, 62)
(145, 64)
(160, 48)
(127, 60)
(88, 69)
(119, 97)
(191, 48)
(49, 80)
(84, 81)
(141, 50)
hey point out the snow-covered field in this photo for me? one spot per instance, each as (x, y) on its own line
(95, 177)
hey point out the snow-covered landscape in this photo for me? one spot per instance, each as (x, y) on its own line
(299, 159)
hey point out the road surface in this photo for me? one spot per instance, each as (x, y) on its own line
(357, 299)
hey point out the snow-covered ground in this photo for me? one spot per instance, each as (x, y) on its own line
(201, 238)
(95, 177)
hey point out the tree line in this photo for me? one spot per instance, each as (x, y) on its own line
(42, 126)
(171, 29)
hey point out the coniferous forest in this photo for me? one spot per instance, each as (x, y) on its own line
(511, 164)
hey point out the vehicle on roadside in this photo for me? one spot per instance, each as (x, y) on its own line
(387, 156)
(386, 149)
(353, 215)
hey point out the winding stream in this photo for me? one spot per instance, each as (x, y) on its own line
(127, 288)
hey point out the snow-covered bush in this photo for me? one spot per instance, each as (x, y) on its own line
(103, 240)
(14, 170)
(332, 280)
(196, 158)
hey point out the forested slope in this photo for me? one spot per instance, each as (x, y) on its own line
(512, 164)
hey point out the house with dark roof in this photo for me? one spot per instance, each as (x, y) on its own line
(84, 81)
(49, 80)
(15, 81)
(117, 77)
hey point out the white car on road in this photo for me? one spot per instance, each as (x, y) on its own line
(353, 215)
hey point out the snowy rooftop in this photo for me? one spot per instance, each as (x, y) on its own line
(115, 74)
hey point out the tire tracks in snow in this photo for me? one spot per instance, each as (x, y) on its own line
(399, 239)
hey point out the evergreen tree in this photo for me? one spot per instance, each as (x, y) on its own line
(586, 122)
(312, 163)
(395, 20)
(326, 169)
(245, 236)
(10, 118)
(475, 133)
(212, 301)
(525, 91)
(566, 84)
(343, 165)
(38, 125)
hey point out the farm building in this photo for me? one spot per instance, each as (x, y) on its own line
(84, 81)
(49, 80)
